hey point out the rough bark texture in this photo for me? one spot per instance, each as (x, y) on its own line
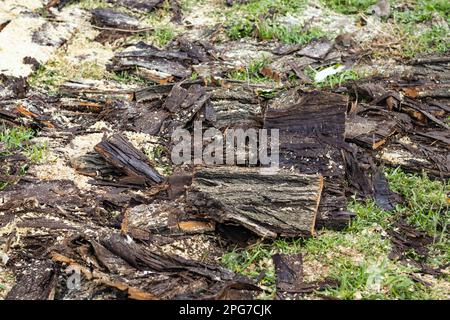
(113, 19)
(36, 283)
(283, 203)
(312, 127)
(122, 154)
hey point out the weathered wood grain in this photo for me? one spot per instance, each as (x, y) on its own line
(269, 205)
(118, 151)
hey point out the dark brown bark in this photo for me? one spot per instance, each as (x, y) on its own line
(123, 155)
(268, 205)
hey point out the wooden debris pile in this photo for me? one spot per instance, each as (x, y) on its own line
(141, 231)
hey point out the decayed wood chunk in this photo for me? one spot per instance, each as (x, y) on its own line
(118, 151)
(161, 63)
(139, 5)
(185, 104)
(269, 205)
(97, 90)
(289, 277)
(119, 262)
(113, 19)
(312, 127)
(289, 271)
(36, 283)
(162, 218)
(371, 128)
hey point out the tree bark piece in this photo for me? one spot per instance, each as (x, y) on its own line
(138, 5)
(186, 105)
(113, 19)
(118, 151)
(312, 127)
(289, 271)
(269, 205)
(165, 63)
(289, 277)
(36, 283)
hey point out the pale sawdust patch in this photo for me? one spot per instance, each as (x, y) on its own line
(17, 43)
(141, 140)
(10, 9)
(198, 247)
(59, 170)
(241, 52)
(313, 269)
(203, 16)
(81, 57)
(80, 145)
(102, 125)
(152, 148)
(334, 23)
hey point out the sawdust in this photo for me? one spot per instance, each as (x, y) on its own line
(313, 269)
(203, 17)
(101, 125)
(199, 247)
(399, 157)
(141, 140)
(80, 145)
(242, 52)
(16, 43)
(10, 9)
(333, 23)
(441, 286)
(83, 48)
(59, 170)
(81, 57)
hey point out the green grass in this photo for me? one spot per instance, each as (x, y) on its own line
(259, 19)
(91, 4)
(16, 137)
(357, 257)
(257, 259)
(428, 207)
(163, 35)
(256, 8)
(190, 5)
(423, 10)
(36, 152)
(293, 35)
(252, 72)
(349, 6)
(159, 157)
(194, 76)
(164, 30)
(19, 139)
(127, 77)
(427, 40)
(332, 80)
(56, 72)
(416, 31)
